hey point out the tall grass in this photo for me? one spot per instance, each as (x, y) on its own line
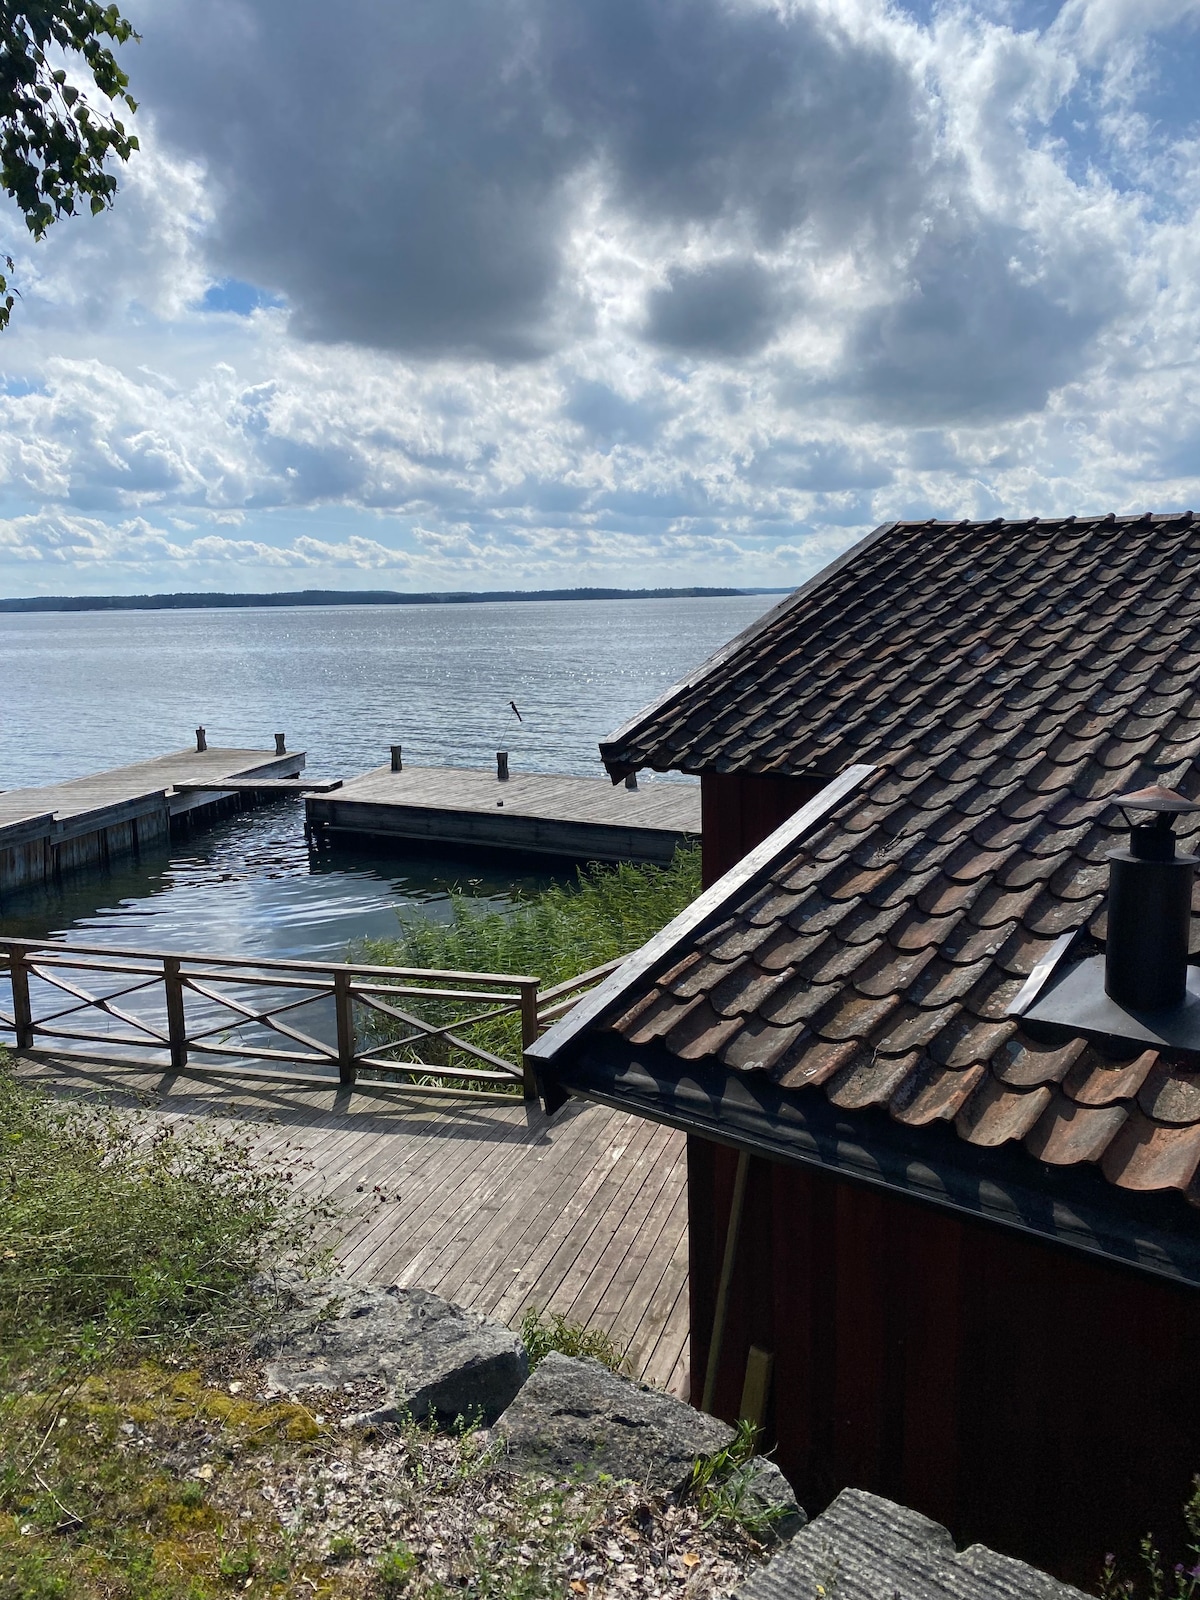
(555, 935)
(118, 1227)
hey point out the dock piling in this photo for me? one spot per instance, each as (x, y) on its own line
(631, 781)
(280, 745)
(201, 741)
(502, 765)
(397, 758)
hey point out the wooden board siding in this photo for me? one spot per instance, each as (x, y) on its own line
(529, 813)
(87, 822)
(739, 811)
(1028, 1397)
(484, 1201)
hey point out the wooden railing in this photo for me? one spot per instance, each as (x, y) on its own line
(166, 1009)
(556, 1002)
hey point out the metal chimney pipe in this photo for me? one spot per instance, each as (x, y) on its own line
(1149, 907)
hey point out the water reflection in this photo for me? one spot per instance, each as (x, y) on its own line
(249, 887)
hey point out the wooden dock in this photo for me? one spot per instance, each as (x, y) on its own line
(87, 822)
(583, 819)
(483, 1201)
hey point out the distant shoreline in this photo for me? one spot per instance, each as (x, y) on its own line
(351, 597)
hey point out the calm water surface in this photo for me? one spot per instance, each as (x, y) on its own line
(80, 693)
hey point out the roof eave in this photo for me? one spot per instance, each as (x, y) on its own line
(1150, 1233)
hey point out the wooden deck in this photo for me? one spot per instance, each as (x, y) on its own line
(89, 821)
(481, 1200)
(530, 812)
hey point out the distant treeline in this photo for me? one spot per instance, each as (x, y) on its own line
(347, 597)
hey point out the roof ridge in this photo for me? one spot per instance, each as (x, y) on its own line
(719, 657)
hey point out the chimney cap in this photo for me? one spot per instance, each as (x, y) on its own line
(1156, 799)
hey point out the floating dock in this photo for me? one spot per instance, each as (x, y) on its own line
(582, 819)
(87, 822)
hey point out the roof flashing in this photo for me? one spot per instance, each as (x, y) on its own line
(1078, 1002)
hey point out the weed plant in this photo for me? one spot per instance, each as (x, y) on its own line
(1153, 1581)
(542, 1333)
(722, 1484)
(555, 935)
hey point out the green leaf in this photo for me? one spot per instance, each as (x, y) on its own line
(55, 147)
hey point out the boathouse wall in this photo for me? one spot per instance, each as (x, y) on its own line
(984, 1377)
(1024, 1395)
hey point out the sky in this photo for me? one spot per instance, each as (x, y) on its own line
(531, 293)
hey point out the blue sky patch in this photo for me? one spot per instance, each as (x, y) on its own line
(232, 294)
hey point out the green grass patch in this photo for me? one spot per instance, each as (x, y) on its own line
(148, 1483)
(565, 930)
(115, 1226)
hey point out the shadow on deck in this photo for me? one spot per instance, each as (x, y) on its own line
(483, 1201)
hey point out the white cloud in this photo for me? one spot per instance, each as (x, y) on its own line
(607, 290)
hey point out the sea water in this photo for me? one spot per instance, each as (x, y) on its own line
(81, 692)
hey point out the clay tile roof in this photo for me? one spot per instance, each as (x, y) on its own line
(871, 960)
(1020, 625)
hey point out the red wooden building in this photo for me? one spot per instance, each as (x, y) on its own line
(966, 1239)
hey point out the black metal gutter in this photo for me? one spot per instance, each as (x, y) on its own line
(1072, 1207)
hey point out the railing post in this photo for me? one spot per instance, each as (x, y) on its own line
(529, 1033)
(18, 969)
(176, 1019)
(343, 1003)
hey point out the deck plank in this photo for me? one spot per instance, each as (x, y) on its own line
(533, 811)
(490, 1204)
(524, 1219)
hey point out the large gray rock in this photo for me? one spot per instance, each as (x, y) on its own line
(865, 1548)
(575, 1416)
(434, 1359)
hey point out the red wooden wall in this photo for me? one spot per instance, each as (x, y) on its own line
(1028, 1397)
(738, 812)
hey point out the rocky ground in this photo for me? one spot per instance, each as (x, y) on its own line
(163, 1482)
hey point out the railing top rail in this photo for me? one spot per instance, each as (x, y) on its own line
(593, 975)
(52, 947)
